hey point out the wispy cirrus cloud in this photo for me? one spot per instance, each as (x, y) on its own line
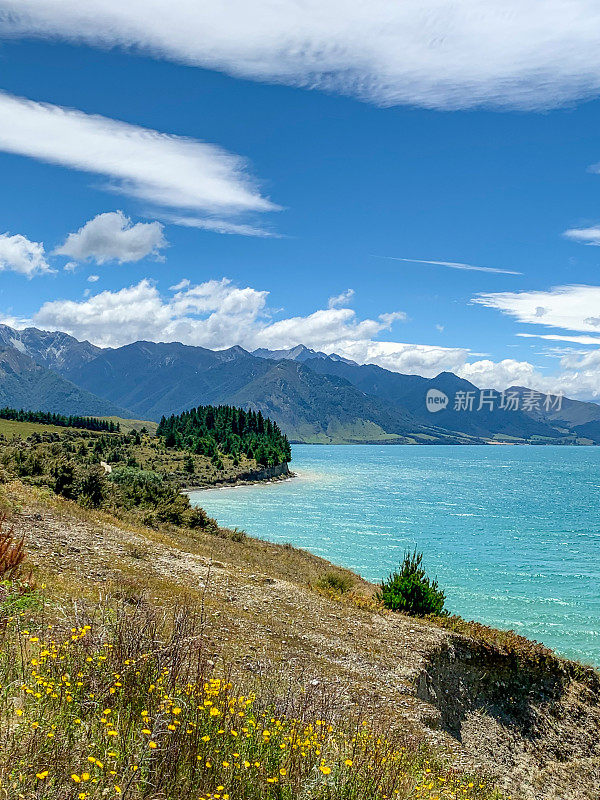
(573, 307)
(499, 53)
(589, 235)
(219, 226)
(452, 265)
(557, 337)
(167, 171)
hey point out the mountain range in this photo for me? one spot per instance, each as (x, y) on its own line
(315, 397)
(26, 384)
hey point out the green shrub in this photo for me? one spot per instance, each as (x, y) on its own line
(188, 465)
(410, 590)
(63, 479)
(91, 489)
(336, 582)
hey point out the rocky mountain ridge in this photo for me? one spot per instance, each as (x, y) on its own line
(314, 397)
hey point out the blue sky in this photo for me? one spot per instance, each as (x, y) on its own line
(326, 191)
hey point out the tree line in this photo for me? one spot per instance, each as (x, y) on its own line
(215, 430)
(62, 421)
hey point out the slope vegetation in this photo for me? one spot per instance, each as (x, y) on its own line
(468, 711)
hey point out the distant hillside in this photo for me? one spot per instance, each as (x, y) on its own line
(157, 379)
(314, 397)
(323, 408)
(25, 384)
(580, 418)
(161, 379)
(410, 391)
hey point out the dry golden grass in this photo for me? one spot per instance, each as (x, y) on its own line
(127, 425)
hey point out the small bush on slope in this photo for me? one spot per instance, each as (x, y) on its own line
(336, 582)
(12, 553)
(410, 590)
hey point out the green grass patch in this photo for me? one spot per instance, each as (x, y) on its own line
(23, 430)
(128, 425)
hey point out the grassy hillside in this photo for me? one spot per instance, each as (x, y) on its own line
(22, 430)
(128, 425)
(147, 652)
(133, 475)
(164, 704)
(180, 664)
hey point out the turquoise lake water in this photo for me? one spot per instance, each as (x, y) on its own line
(512, 533)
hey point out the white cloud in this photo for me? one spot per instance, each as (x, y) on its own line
(573, 307)
(502, 53)
(93, 278)
(502, 374)
(342, 299)
(183, 284)
(584, 235)
(168, 171)
(411, 359)
(453, 265)
(569, 308)
(18, 323)
(113, 237)
(19, 254)
(555, 337)
(212, 314)
(578, 376)
(393, 316)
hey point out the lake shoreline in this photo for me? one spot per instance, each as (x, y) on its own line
(511, 533)
(275, 474)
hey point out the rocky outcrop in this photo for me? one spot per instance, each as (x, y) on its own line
(534, 718)
(267, 473)
(279, 472)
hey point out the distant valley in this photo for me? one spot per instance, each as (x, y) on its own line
(314, 397)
